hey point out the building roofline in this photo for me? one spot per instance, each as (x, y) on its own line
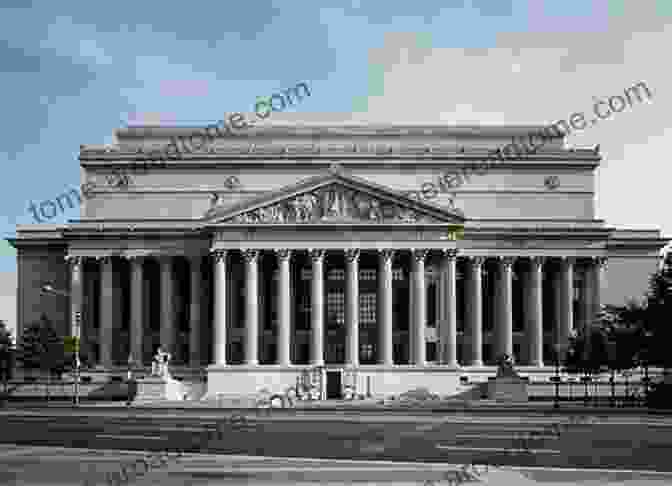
(348, 129)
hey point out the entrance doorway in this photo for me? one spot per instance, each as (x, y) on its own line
(334, 389)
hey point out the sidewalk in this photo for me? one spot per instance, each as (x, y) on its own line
(421, 408)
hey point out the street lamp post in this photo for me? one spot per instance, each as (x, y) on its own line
(78, 363)
(647, 343)
(76, 320)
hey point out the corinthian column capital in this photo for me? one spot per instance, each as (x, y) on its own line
(316, 255)
(600, 261)
(352, 254)
(386, 254)
(420, 255)
(450, 253)
(74, 260)
(506, 261)
(219, 255)
(283, 254)
(476, 261)
(251, 256)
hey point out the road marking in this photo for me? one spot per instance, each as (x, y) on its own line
(188, 429)
(486, 436)
(512, 428)
(113, 436)
(497, 449)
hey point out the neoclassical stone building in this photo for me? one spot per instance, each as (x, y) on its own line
(311, 247)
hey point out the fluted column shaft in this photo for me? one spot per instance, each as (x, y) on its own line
(284, 307)
(448, 329)
(195, 317)
(352, 306)
(504, 321)
(565, 294)
(597, 269)
(220, 303)
(137, 310)
(252, 307)
(587, 295)
(420, 307)
(167, 305)
(317, 311)
(106, 312)
(533, 311)
(474, 310)
(385, 355)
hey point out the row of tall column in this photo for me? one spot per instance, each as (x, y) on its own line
(447, 329)
(317, 304)
(109, 307)
(533, 310)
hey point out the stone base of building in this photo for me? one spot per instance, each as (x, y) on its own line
(508, 389)
(340, 381)
(156, 389)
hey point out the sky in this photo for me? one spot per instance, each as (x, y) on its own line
(74, 71)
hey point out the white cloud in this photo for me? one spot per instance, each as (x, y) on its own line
(8, 300)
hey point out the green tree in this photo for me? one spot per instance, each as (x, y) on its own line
(658, 317)
(6, 354)
(587, 351)
(42, 348)
(623, 326)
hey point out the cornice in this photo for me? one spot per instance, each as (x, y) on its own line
(350, 152)
(345, 130)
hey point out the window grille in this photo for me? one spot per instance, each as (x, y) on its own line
(305, 303)
(366, 352)
(336, 307)
(367, 308)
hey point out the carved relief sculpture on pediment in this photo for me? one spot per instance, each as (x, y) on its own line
(335, 204)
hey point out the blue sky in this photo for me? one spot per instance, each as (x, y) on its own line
(74, 71)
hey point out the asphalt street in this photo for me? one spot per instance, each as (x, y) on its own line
(42, 466)
(613, 443)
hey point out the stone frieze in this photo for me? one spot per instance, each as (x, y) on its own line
(333, 204)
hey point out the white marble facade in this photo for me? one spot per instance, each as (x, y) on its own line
(295, 247)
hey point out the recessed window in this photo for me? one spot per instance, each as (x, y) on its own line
(366, 352)
(367, 308)
(431, 351)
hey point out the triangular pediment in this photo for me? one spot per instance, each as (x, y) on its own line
(334, 198)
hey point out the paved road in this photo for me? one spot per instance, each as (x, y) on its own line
(624, 443)
(33, 466)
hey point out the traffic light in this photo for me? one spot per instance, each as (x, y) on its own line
(71, 344)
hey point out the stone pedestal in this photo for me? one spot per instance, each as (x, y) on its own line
(159, 389)
(508, 389)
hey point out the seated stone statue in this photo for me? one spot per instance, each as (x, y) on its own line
(505, 367)
(160, 363)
